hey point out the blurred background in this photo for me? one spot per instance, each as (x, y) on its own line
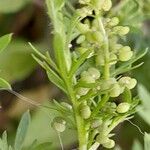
(28, 21)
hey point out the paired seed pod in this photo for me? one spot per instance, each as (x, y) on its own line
(85, 111)
(109, 144)
(123, 107)
(82, 91)
(84, 1)
(128, 82)
(120, 30)
(113, 22)
(59, 124)
(66, 105)
(115, 90)
(125, 53)
(96, 123)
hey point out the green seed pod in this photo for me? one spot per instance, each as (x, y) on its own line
(82, 91)
(80, 39)
(96, 123)
(100, 60)
(83, 28)
(85, 111)
(94, 73)
(87, 78)
(59, 124)
(115, 91)
(107, 4)
(113, 59)
(109, 144)
(128, 82)
(84, 11)
(66, 105)
(121, 30)
(107, 84)
(102, 139)
(125, 53)
(113, 22)
(123, 107)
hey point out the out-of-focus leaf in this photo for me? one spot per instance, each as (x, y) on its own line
(147, 141)
(4, 84)
(137, 145)
(22, 131)
(4, 41)
(11, 6)
(145, 109)
(16, 63)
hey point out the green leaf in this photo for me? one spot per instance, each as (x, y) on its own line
(147, 141)
(4, 41)
(22, 131)
(4, 84)
(59, 4)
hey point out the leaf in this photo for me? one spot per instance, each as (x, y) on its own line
(16, 5)
(59, 4)
(22, 131)
(147, 141)
(4, 84)
(4, 41)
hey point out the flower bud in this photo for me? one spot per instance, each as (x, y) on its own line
(115, 91)
(94, 73)
(80, 39)
(128, 82)
(121, 30)
(85, 111)
(123, 107)
(125, 53)
(59, 124)
(109, 144)
(107, 4)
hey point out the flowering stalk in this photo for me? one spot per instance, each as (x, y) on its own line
(90, 72)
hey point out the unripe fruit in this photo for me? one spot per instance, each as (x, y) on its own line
(85, 111)
(100, 60)
(82, 91)
(87, 78)
(97, 36)
(115, 91)
(109, 144)
(128, 82)
(125, 53)
(59, 124)
(80, 39)
(113, 59)
(83, 28)
(94, 73)
(102, 139)
(114, 21)
(123, 107)
(121, 30)
(84, 1)
(107, 84)
(96, 123)
(107, 4)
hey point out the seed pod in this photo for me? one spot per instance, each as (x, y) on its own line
(125, 53)
(87, 78)
(107, 4)
(102, 139)
(121, 30)
(96, 123)
(85, 111)
(59, 124)
(115, 91)
(114, 21)
(94, 73)
(97, 36)
(100, 60)
(84, 11)
(123, 107)
(128, 82)
(82, 91)
(113, 59)
(109, 144)
(80, 39)
(66, 105)
(84, 1)
(83, 28)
